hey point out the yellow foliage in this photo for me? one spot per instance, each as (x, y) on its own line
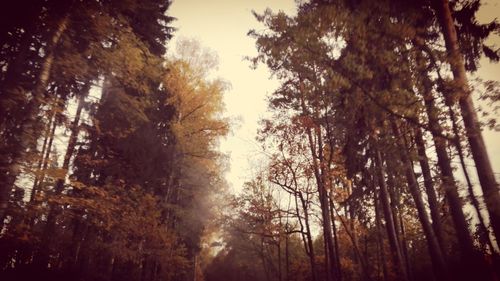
(198, 101)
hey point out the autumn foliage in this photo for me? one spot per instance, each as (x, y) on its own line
(108, 143)
(374, 163)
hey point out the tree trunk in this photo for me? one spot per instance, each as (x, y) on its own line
(482, 225)
(483, 165)
(287, 258)
(310, 245)
(315, 150)
(430, 191)
(437, 257)
(380, 240)
(448, 181)
(46, 240)
(404, 246)
(48, 135)
(335, 239)
(27, 128)
(352, 237)
(392, 174)
(472, 261)
(397, 255)
(45, 160)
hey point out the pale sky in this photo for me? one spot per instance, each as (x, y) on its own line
(222, 26)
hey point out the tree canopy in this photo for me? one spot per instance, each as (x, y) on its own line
(375, 164)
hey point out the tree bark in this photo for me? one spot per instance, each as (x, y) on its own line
(470, 188)
(357, 252)
(396, 253)
(404, 245)
(46, 240)
(483, 165)
(45, 160)
(309, 239)
(448, 181)
(27, 128)
(315, 150)
(48, 135)
(437, 257)
(335, 239)
(395, 207)
(429, 189)
(380, 240)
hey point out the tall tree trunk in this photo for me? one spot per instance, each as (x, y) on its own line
(27, 128)
(482, 225)
(448, 181)
(306, 235)
(310, 245)
(327, 231)
(483, 165)
(335, 239)
(46, 159)
(358, 258)
(287, 258)
(472, 262)
(46, 240)
(392, 176)
(380, 240)
(396, 253)
(263, 259)
(316, 150)
(429, 189)
(278, 246)
(395, 207)
(352, 237)
(48, 135)
(327, 225)
(404, 246)
(437, 257)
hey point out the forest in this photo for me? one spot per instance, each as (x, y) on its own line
(375, 162)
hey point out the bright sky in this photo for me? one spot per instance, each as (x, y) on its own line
(222, 26)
